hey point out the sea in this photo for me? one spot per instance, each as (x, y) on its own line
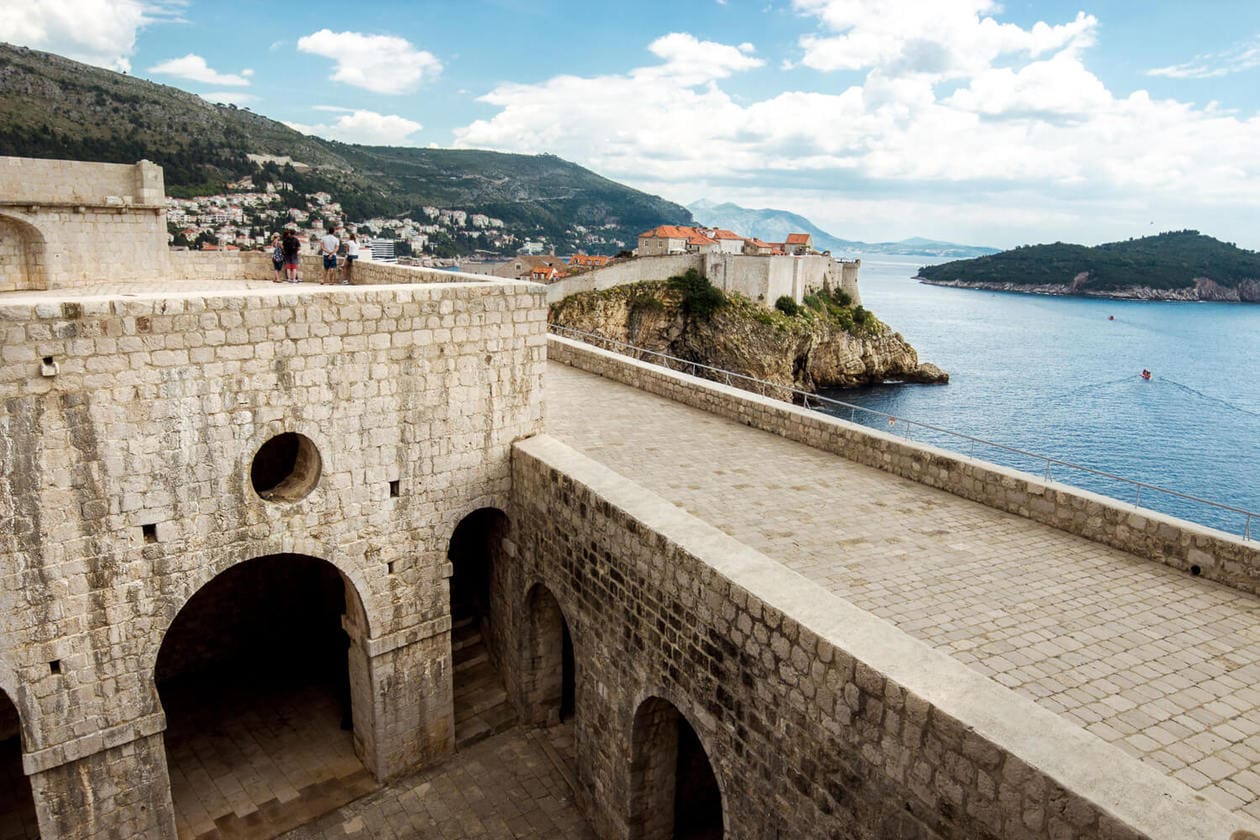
(1060, 378)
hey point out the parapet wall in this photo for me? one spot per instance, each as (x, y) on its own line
(819, 719)
(637, 270)
(256, 265)
(67, 222)
(763, 279)
(1144, 533)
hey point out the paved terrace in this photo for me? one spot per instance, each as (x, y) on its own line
(1162, 665)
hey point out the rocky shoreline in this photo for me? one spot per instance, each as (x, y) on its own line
(807, 352)
(1204, 289)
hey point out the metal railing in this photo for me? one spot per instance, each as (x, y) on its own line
(902, 425)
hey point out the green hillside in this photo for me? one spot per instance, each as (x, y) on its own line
(1169, 261)
(52, 107)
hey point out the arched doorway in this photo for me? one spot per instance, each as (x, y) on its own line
(17, 806)
(21, 256)
(549, 680)
(481, 701)
(673, 791)
(254, 677)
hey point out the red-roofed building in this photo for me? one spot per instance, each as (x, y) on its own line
(589, 260)
(701, 244)
(799, 243)
(666, 239)
(728, 242)
(757, 248)
(545, 274)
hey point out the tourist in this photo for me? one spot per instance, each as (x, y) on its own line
(277, 258)
(292, 248)
(352, 254)
(328, 247)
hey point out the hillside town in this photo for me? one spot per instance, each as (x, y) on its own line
(245, 217)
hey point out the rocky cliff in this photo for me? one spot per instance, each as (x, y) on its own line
(809, 350)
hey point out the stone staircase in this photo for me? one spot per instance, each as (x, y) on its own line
(481, 703)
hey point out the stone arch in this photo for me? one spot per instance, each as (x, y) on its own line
(258, 654)
(480, 616)
(17, 804)
(548, 673)
(674, 790)
(23, 255)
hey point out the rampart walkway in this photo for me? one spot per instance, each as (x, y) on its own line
(1164, 666)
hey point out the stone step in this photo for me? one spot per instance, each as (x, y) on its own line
(492, 721)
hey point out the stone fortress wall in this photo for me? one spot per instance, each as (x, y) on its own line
(130, 440)
(762, 279)
(66, 222)
(129, 432)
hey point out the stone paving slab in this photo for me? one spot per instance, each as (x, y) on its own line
(1164, 666)
(504, 787)
(124, 288)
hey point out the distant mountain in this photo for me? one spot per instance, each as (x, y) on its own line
(52, 107)
(1180, 265)
(775, 225)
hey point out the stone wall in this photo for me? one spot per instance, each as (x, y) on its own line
(820, 720)
(256, 265)
(1145, 533)
(636, 270)
(762, 279)
(128, 432)
(78, 222)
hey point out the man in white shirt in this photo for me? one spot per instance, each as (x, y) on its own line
(328, 247)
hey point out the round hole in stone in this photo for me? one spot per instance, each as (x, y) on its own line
(286, 468)
(1196, 571)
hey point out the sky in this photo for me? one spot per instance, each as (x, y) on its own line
(965, 120)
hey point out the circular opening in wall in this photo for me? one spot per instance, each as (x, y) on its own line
(1196, 571)
(286, 468)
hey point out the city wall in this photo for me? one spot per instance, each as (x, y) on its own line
(64, 223)
(256, 265)
(1174, 542)
(819, 720)
(128, 434)
(762, 279)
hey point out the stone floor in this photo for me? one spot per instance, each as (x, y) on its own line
(166, 287)
(1162, 665)
(254, 756)
(513, 785)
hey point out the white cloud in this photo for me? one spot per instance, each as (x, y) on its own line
(941, 39)
(229, 97)
(99, 32)
(194, 68)
(1018, 117)
(1245, 56)
(366, 127)
(379, 63)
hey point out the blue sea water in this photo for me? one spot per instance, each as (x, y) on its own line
(1056, 377)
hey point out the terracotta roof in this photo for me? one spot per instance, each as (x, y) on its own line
(596, 260)
(670, 232)
(757, 243)
(798, 239)
(725, 234)
(701, 239)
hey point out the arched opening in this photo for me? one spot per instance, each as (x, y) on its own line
(549, 681)
(481, 702)
(21, 256)
(255, 680)
(17, 806)
(673, 791)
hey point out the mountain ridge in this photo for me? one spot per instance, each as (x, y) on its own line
(53, 107)
(774, 225)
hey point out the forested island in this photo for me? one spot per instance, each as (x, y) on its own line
(1178, 265)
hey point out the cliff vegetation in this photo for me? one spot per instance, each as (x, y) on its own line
(1180, 265)
(825, 343)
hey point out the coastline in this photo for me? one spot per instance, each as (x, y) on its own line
(1199, 293)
